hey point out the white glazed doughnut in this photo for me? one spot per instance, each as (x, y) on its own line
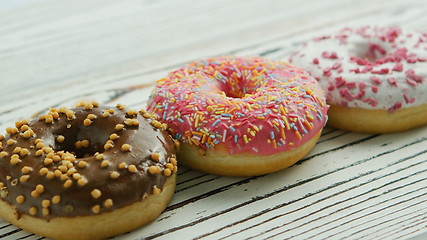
(374, 77)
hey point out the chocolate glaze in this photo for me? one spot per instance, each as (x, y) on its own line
(77, 200)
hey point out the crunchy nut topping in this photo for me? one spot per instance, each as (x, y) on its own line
(114, 136)
(14, 161)
(132, 112)
(3, 154)
(82, 164)
(169, 166)
(105, 114)
(167, 172)
(85, 143)
(114, 175)
(24, 128)
(111, 111)
(56, 158)
(88, 106)
(122, 165)
(78, 144)
(10, 142)
(40, 188)
(131, 122)
(17, 150)
(76, 176)
(105, 163)
(39, 145)
(57, 173)
(99, 156)
(33, 211)
(46, 203)
(173, 161)
(147, 115)
(156, 124)
(156, 190)
(91, 116)
(108, 146)
(4, 192)
(119, 126)
(39, 152)
(26, 169)
(81, 182)
(18, 124)
(126, 147)
(50, 175)
(132, 168)
(155, 156)
(24, 152)
(96, 193)
(60, 138)
(63, 177)
(71, 170)
(49, 119)
(63, 168)
(28, 133)
(154, 169)
(70, 116)
(24, 178)
(56, 199)
(35, 194)
(48, 161)
(14, 182)
(45, 211)
(87, 122)
(68, 183)
(11, 130)
(121, 106)
(108, 203)
(20, 199)
(96, 209)
(95, 103)
(50, 155)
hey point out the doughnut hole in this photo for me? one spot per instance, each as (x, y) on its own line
(237, 84)
(75, 140)
(368, 51)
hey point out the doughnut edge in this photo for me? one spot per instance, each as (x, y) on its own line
(376, 121)
(219, 162)
(106, 225)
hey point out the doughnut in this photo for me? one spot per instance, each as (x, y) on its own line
(373, 77)
(240, 116)
(89, 172)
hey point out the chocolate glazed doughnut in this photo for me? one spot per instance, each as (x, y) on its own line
(86, 173)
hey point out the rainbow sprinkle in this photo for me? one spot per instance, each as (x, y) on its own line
(250, 104)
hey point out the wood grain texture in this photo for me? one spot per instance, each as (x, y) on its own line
(350, 186)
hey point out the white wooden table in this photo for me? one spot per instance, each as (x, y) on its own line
(351, 186)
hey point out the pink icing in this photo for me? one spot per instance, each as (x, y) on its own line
(389, 61)
(249, 104)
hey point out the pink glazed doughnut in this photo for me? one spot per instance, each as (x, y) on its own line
(374, 77)
(240, 116)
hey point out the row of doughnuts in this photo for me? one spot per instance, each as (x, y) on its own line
(68, 169)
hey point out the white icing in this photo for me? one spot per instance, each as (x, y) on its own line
(355, 43)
